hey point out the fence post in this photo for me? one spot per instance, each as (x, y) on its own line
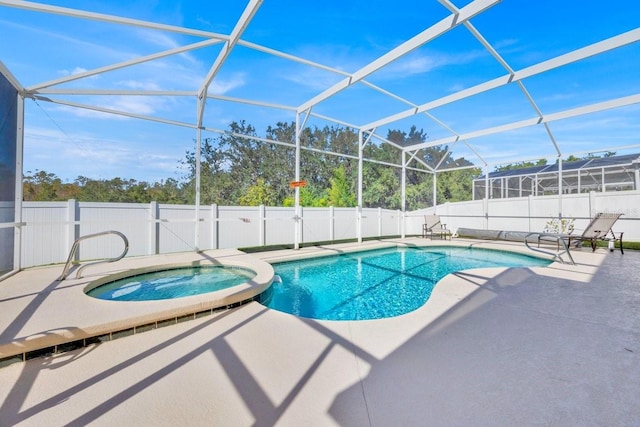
(154, 230)
(261, 226)
(215, 244)
(359, 224)
(530, 202)
(592, 204)
(331, 224)
(379, 222)
(485, 213)
(73, 230)
(301, 224)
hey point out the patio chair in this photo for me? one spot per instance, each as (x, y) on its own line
(432, 225)
(599, 229)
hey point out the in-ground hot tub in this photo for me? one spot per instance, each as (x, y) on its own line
(170, 283)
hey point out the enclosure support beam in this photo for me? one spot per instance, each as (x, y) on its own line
(120, 65)
(360, 184)
(403, 193)
(228, 46)
(297, 218)
(560, 187)
(548, 118)
(17, 230)
(196, 237)
(453, 20)
(542, 67)
(435, 189)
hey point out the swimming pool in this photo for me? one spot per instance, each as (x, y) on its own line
(376, 284)
(172, 283)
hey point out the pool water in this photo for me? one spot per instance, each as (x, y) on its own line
(174, 283)
(376, 284)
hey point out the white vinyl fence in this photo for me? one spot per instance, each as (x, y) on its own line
(533, 213)
(52, 227)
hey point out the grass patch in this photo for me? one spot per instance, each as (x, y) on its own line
(626, 245)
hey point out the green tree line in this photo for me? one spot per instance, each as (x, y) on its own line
(543, 162)
(244, 171)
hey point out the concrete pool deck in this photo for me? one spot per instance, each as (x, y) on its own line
(558, 345)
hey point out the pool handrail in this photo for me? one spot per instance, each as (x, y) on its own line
(76, 244)
(559, 239)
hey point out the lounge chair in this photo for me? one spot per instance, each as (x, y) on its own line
(598, 229)
(432, 225)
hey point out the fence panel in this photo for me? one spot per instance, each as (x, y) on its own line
(238, 226)
(470, 214)
(624, 203)
(573, 206)
(317, 225)
(345, 223)
(176, 231)
(509, 214)
(131, 219)
(51, 227)
(370, 223)
(390, 220)
(279, 226)
(44, 239)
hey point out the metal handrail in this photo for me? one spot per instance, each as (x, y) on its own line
(558, 238)
(74, 249)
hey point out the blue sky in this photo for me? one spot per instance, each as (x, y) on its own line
(342, 35)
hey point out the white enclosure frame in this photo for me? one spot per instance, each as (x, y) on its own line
(47, 91)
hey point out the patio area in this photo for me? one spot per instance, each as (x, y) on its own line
(531, 346)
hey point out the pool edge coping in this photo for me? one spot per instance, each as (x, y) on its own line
(202, 303)
(143, 313)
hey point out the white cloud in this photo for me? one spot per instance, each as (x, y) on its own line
(421, 62)
(69, 155)
(509, 45)
(414, 65)
(146, 106)
(139, 84)
(78, 70)
(338, 57)
(90, 114)
(456, 88)
(165, 42)
(136, 105)
(312, 78)
(222, 86)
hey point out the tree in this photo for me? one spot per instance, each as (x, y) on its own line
(258, 194)
(521, 165)
(457, 185)
(216, 186)
(167, 191)
(589, 156)
(381, 186)
(309, 197)
(41, 186)
(420, 195)
(340, 194)
(240, 167)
